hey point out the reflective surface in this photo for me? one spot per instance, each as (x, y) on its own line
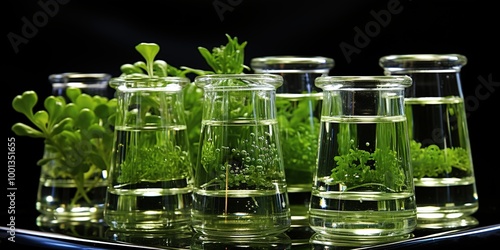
(95, 235)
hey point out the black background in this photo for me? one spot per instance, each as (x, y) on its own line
(100, 36)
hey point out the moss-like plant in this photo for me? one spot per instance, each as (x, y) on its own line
(431, 161)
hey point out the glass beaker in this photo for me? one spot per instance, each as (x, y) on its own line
(298, 102)
(150, 179)
(445, 186)
(363, 184)
(239, 182)
(72, 184)
(89, 83)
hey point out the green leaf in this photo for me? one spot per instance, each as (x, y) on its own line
(149, 52)
(129, 69)
(73, 93)
(60, 126)
(41, 118)
(96, 131)
(25, 103)
(71, 110)
(160, 68)
(85, 118)
(85, 101)
(25, 130)
(102, 111)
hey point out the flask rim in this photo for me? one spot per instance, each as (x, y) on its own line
(167, 83)
(239, 81)
(422, 62)
(292, 64)
(363, 82)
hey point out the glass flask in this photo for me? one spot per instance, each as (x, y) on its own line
(239, 184)
(72, 184)
(363, 184)
(298, 102)
(439, 141)
(150, 178)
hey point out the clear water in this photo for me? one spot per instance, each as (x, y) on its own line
(240, 184)
(363, 184)
(241, 212)
(445, 185)
(150, 180)
(445, 198)
(363, 213)
(57, 197)
(441, 123)
(160, 206)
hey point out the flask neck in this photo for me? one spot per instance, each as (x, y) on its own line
(434, 84)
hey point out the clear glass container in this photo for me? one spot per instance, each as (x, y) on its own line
(439, 139)
(239, 184)
(298, 102)
(150, 178)
(72, 184)
(363, 184)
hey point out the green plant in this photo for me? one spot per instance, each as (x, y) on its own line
(361, 168)
(77, 135)
(226, 59)
(300, 132)
(151, 154)
(431, 161)
(356, 168)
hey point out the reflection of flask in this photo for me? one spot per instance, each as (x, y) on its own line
(149, 186)
(363, 187)
(441, 157)
(239, 183)
(298, 102)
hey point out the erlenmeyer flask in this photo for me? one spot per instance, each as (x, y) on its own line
(363, 186)
(239, 183)
(445, 186)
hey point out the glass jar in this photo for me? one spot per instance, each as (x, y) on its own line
(239, 184)
(439, 140)
(72, 184)
(150, 178)
(363, 184)
(298, 102)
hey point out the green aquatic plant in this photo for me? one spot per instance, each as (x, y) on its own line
(77, 135)
(431, 161)
(149, 155)
(300, 132)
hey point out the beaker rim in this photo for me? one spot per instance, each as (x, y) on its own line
(341, 82)
(174, 83)
(280, 63)
(408, 62)
(88, 78)
(239, 81)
